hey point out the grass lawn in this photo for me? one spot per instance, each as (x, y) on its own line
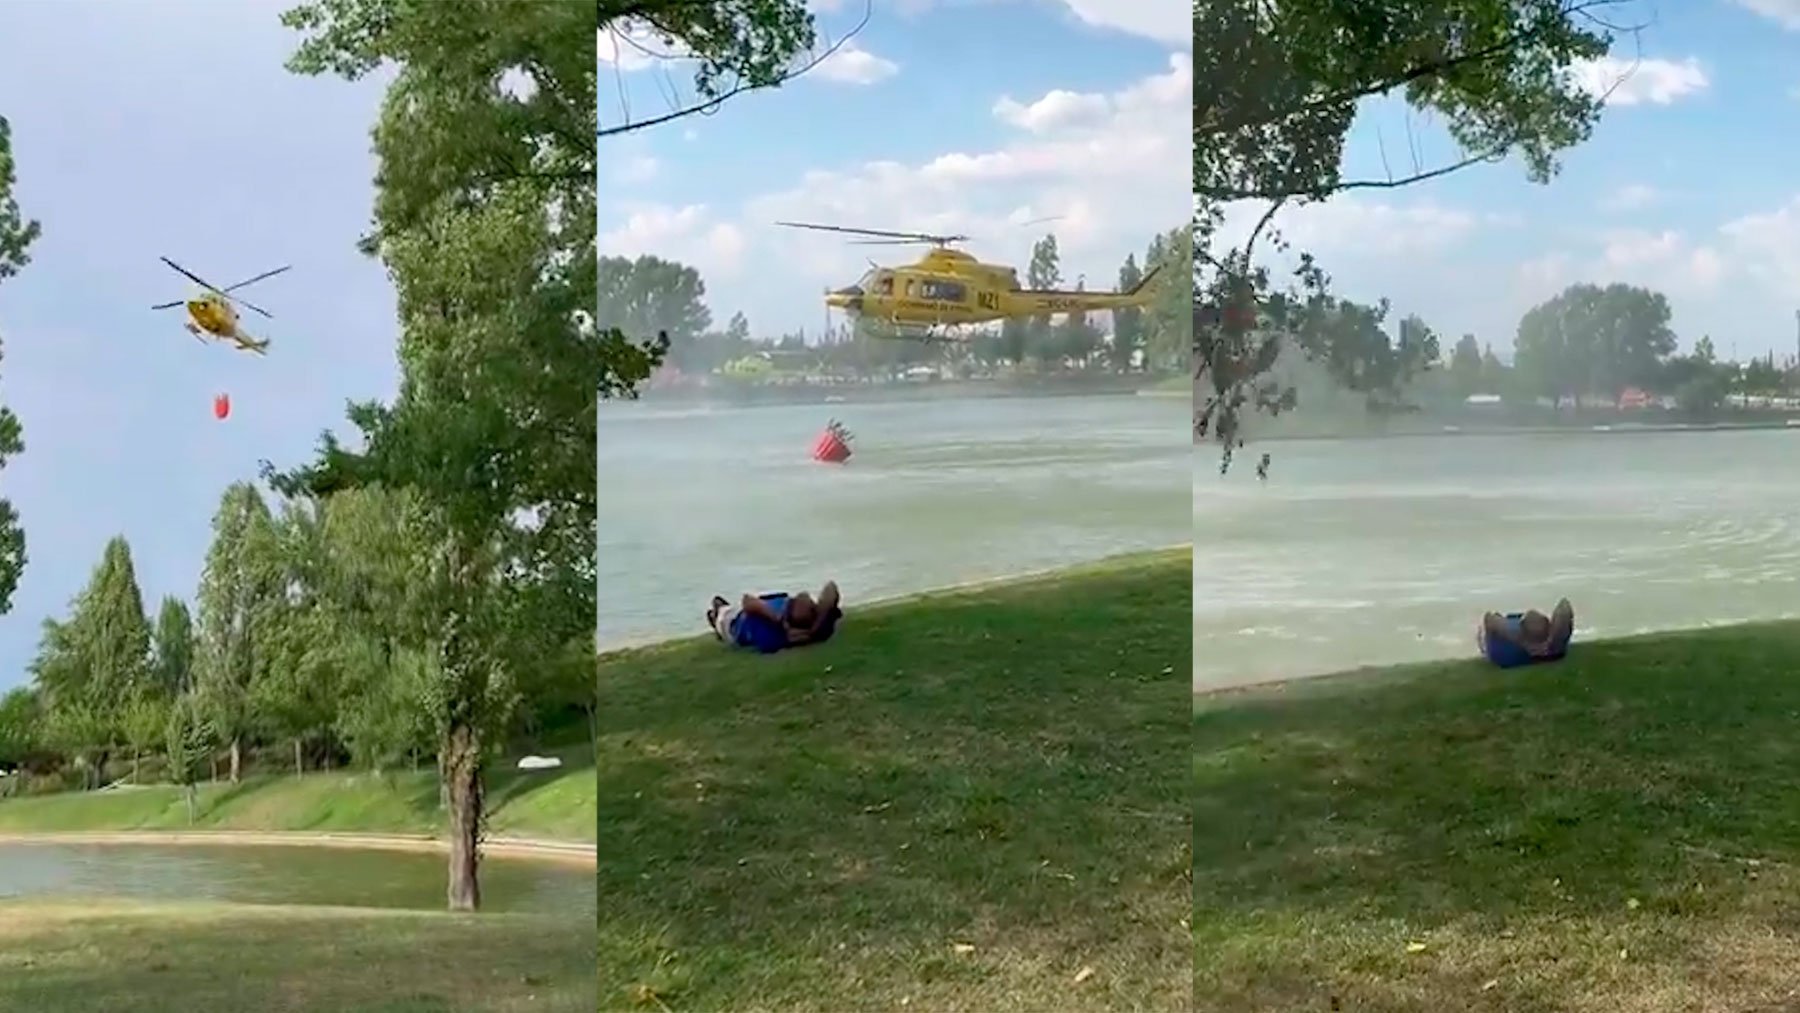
(68, 958)
(971, 802)
(1616, 833)
(556, 805)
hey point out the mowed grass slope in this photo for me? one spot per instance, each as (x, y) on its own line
(554, 805)
(1616, 833)
(973, 801)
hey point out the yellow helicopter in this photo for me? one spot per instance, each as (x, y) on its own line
(211, 311)
(947, 288)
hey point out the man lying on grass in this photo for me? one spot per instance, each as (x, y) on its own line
(772, 621)
(1526, 638)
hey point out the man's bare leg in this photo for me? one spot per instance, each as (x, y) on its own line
(1562, 623)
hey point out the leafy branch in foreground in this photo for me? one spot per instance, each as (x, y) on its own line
(1277, 89)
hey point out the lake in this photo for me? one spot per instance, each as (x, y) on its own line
(1363, 552)
(285, 875)
(702, 501)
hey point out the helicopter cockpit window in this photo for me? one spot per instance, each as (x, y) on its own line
(944, 291)
(886, 285)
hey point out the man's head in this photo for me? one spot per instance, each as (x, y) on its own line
(801, 610)
(1534, 627)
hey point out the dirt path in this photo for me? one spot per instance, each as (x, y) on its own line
(561, 852)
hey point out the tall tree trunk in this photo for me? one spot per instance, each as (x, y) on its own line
(299, 762)
(237, 758)
(190, 803)
(462, 766)
(134, 765)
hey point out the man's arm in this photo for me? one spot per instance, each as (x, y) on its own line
(754, 606)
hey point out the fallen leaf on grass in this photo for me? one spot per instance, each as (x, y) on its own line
(1492, 984)
(1083, 975)
(1633, 903)
(1415, 947)
(962, 947)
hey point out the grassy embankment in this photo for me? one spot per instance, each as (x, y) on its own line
(63, 957)
(553, 805)
(974, 800)
(1619, 832)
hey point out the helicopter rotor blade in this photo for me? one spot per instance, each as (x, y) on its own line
(924, 237)
(251, 281)
(249, 306)
(191, 276)
(167, 305)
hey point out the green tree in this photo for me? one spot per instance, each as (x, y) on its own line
(239, 589)
(493, 429)
(172, 648)
(1078, 339)
(1169, 322)
(1466, 366)
(17, 233)
(1044, 271)
(85, 734)
(1276, 90)
(189, 739)
(452, 130)
(143, 723)
(651, 296)
(1128, 323)
(111, 635)
(21, 725)
(1589, 339)
(1015, 336)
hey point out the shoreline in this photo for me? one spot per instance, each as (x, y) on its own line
(526, 849)
(1280, 684)
(1593, 428)
(652, 640)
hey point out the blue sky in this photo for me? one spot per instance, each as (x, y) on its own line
(1688, 186)
(172, 129)
(973, 116)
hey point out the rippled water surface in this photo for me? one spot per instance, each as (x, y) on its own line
(1379, 551)
(285, 875)
(697, 502)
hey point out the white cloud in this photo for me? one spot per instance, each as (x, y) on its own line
(1631, 197)
(691, 234)
(851, 64)
(1110, 181)
(1769, 244)
(1349, 226)
(1785, 13)
(1636, 82)
(634, 46)
(1056, 110)
(1162, 20)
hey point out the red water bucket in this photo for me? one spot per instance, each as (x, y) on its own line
(221, 405)
(833, 445)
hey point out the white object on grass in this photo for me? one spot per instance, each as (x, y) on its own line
(539, 763)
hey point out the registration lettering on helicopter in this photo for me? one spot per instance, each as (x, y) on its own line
(1059, 304)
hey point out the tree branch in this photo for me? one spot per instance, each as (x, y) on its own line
(1429, 68)
(713, 102)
